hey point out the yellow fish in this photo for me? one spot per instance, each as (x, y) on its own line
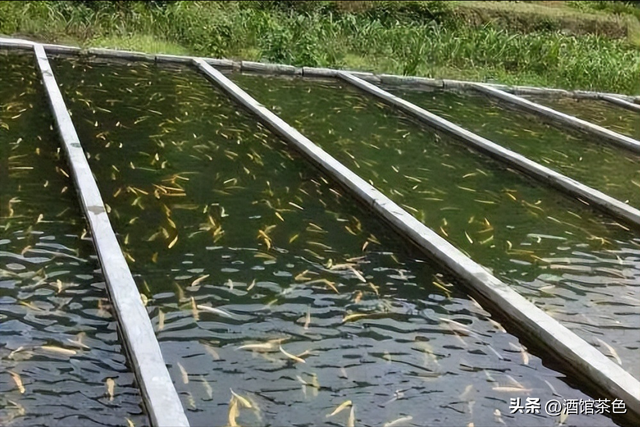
(111, 385)
(18, 381)
(340, 408)
(291, 356)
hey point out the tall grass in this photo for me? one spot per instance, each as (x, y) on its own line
(417, 38)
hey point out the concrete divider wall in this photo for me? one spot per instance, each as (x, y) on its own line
(577, 354)
(622, 103)
(561, 118)
(570, 186)
(313, 71)
(159, 395)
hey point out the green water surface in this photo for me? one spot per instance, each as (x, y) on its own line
(596, 111)
(579, 266)
(600, 165)
(58, 340)
(248, 255)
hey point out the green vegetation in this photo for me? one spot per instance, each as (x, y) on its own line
(573, 45)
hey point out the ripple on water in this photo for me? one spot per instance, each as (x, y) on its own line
(263, 278)
(57, 346)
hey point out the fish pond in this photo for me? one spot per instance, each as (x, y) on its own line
(578, 265)
(61, 362)
(585, 158)
(596, 111)
(277, 298)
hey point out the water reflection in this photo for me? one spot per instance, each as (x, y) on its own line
(579, 266)
(58, 342)
(602, 113)
(600, 165)
(276, 298)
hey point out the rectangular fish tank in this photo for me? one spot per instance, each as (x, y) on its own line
(276, 297)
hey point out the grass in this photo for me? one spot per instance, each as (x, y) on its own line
(525, 17)
(142, 43)
(426, 38)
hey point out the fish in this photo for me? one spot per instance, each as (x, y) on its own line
(60, 350)
(563, 416)
(325, 281)
(185, 375)
(17, 350)
(374, 287)
(398, 421)
(171, 223)
(553, 390)
(307, 318)
(130, 423)
(215, 311)
(233, 412)
(253, 283)
(512, 389)
(613, 352)
(354, 316)
(78, 341)
(207, 387)
(468, 237)
(180, 292)
(358, 297)
(439, 286)
(495, 352)
(173, 242)
(258, 346)
(343, 373)
(351, 421)
(291, 356)
(194, 310)
(315, 385)
(242, 400)
(523, 352)
(111, 385)
(358, 275)
(160, 320)
(340, 408)
(18, 381)
(301, 277)
(211, 351)
(466, 391)
(487, 240)
(496, 325)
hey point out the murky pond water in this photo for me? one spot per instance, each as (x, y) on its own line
(61, 363)
(577, 265)
(601, 165)
(599, 112)
(276, 298)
